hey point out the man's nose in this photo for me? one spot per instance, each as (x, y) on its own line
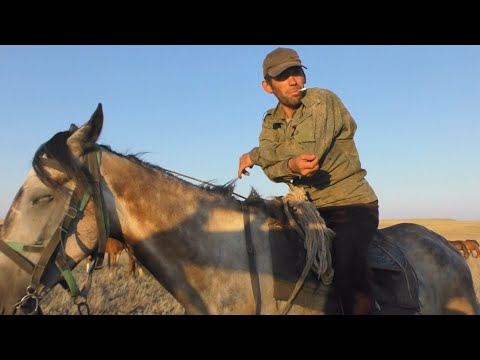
(292, 80)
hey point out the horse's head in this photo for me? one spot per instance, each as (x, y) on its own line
(48, 227)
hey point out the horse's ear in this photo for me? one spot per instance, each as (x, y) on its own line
(87, 135)
(73, 128)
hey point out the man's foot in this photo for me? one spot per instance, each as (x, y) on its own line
(364, 304)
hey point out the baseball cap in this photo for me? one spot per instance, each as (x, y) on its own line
(280, 60)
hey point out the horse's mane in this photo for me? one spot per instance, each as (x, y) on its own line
(226, 189)
(57, 148)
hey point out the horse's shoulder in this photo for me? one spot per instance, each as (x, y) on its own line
(277, 220)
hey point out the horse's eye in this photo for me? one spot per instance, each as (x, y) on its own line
(42, 199)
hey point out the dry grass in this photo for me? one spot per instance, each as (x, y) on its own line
(113, 293)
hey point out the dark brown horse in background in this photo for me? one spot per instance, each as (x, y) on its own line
(113, 250)
(467, 247)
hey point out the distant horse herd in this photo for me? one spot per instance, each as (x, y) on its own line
(115, 248)
(467, 247)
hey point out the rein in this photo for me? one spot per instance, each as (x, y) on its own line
(201, 181)
(251, 260)
(249, 243)
(75, 210)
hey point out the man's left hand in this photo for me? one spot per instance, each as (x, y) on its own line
(245, 162)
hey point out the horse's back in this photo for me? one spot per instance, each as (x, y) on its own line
(445, 280)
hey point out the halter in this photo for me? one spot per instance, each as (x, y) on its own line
(74, 211)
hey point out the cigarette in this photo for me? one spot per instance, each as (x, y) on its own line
(302, 89)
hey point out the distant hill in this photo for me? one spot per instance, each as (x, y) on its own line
(448, 228)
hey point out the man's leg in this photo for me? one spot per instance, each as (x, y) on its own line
(354, 227)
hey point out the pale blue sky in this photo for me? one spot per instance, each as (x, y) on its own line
(196, 109)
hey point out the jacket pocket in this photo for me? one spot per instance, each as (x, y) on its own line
(305, 132)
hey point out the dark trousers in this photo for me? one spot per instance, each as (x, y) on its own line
(354, 226)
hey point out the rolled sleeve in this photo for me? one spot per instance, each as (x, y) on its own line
(255, 156)
(280, 172)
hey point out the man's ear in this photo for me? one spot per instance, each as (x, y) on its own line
(266, 87)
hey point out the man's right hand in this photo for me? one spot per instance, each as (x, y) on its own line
(304, 164)
(245, 162)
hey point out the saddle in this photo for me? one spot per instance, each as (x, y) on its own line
(395, 285)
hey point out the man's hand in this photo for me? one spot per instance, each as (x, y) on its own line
(245, 162)
(304, 164)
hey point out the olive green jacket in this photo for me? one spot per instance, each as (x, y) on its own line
(324, 127)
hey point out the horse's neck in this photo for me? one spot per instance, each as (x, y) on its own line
(191, 240)
(148, 201)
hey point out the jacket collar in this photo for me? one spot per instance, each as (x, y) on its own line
(308, 100)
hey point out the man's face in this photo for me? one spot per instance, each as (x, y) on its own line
(286, 85)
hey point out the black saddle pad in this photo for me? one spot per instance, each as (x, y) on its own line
(394, 282)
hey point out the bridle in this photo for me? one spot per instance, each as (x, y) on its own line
(56, 245)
